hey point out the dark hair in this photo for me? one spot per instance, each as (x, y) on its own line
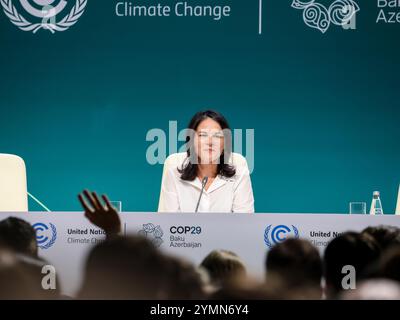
(34, 267)
(133, 268)
(389, 265)
(183, 280)
(18, 281)
(293, 264)
(19, 236)
(351, 248)
(188, 170)
(123, 268)
(242, 291)
(223, 267)
(385, 236)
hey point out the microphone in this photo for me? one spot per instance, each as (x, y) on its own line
(38, 202)
(203, 185)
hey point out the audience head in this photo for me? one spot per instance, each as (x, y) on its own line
(373, 289)
(242, 290)
(389, 264)
(294, 265)
(385, 236)
(20, 278)
(124, 268)
(184, 281)
(354, 249)
(34, 267)
(133, 268)
(19, 236)
(223, 267)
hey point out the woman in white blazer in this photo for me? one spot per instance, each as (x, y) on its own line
(226, 188)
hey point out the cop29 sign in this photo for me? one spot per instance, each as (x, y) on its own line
(49, 15)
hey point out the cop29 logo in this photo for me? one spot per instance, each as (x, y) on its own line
(46, 235)
(43, 14)
(317, 16)
(279, 234)
(153, 233)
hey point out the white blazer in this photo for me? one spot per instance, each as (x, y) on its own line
(224, 194)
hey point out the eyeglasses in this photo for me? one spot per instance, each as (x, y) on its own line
(213, 135)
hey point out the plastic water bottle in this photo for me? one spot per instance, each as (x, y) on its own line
(376, 205)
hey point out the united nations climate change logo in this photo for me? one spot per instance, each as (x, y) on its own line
(44, 14)
(279, 234)
(153, 233)
(316, 15)
(46, 235)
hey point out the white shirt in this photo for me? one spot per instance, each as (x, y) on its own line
(233, 194)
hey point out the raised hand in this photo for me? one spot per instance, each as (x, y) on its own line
(104, 216)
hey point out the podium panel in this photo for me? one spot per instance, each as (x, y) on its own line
(65, 238)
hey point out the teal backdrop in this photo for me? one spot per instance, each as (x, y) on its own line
(77, 105)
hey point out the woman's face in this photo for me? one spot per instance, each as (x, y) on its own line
(209, 141)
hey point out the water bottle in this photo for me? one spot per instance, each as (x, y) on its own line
(376, 205)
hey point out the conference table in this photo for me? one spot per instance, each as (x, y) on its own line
(65, 238)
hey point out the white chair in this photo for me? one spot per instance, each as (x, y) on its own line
(398, 203)
(175, 161)
(13, 184)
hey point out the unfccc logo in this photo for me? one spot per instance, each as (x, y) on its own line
(45, 236)
(43, 14)
(279, 234)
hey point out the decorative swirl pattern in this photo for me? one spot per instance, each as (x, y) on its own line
(317, 16)
(298, 4)
(342, 11)
(153, 233)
